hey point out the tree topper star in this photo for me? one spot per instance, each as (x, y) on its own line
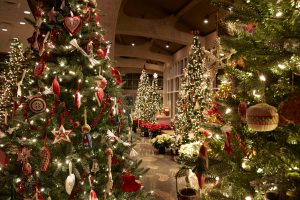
(61, 135)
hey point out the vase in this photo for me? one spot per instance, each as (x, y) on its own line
(161, 150)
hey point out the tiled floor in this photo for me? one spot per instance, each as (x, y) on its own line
(160, 179)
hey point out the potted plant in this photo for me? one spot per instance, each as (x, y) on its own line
(161, 142)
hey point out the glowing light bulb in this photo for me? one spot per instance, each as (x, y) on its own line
(281, 66)
(248, 198)
(279, 14)
(228, 110)
(262, 78)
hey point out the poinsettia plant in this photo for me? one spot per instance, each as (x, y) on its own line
(163, 140)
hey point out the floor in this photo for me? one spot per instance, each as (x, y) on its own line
(160, 179)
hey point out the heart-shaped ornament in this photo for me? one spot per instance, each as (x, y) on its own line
(72, 24)
(102, 53)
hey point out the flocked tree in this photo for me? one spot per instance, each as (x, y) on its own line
(195, 94)
(12, 74)
(67, 139)
(254, 152)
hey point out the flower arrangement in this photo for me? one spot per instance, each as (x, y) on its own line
(152, 127)
(162, 141)
(190, 150)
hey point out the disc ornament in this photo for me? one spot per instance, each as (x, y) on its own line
(37, 104)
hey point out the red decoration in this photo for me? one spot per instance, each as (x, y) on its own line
(46, 157)
(201, 179)
(203, 155)
(93, 195)
(26, 169)
(115, 161)
(102, 83)
(227, 147)
(78, 97)
(3, 159)
(54, 34)
(40, 68)
(117, 75)
(89, 48)
(102, 53)
(72, 24)
(20, 187)
(16, 106)
(250, 28)
(100, 95)
(56, 87)
(242, 109)
(129, 184)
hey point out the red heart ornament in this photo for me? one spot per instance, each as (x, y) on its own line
(72, 24)
(40, 68)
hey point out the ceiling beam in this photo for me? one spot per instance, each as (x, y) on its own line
(141, 51)
(162, 29)
(138, 63)
(186, 8)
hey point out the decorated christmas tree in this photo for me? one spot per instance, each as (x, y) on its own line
(141, 107)
(67, 138)
(254, 151)
(154, 100)
(194, 96)
(11, 77)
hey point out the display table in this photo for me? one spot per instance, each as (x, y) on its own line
(164, 120)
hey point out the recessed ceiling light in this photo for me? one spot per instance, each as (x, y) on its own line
(132, 44)
(167, 46)
(205, 21)
(22, 23)
(27, 12)
(4, 29)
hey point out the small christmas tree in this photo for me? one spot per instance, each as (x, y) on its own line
(12, 74)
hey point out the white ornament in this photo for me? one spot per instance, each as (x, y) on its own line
(70, 181)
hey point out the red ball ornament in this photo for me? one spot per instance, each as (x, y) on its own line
(129, 184)
(20, 187)
(40, 68)
(56, 87)
(102, 53)
(72, 24)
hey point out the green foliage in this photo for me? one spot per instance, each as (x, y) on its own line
(70, 67)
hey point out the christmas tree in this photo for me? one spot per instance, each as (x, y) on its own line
(154, 100)
(11, 76)
(67, 137)
(254, 152)
(195, 94)
(141, 107)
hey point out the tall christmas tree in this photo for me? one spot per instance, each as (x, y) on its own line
(254, 154)
(68, 138)
(154, 99)
(195, 94)
(12, 74)
(141, 107)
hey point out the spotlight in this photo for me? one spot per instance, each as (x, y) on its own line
(132, 44)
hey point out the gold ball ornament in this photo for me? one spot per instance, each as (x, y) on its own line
(262, 117)
(86, 128)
